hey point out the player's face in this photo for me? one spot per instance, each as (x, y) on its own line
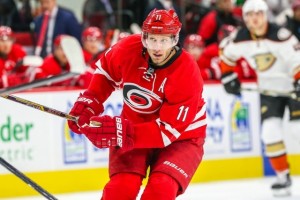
(159, 48)
(92, 46)
(60, 55)
(159, 42)
(256, 21)
(195, 51)
(5, 46)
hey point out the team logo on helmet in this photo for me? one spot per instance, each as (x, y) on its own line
(140, 99)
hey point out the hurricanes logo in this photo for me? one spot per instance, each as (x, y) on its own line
(140, 99)
(264, 61)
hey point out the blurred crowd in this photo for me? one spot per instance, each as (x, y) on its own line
(104, 22)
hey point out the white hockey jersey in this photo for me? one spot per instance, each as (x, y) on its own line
(274, 57)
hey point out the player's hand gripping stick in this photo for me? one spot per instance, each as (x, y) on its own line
(105, 131)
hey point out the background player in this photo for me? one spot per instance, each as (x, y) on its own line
(273, 52)
(162, 125)
(12, 71)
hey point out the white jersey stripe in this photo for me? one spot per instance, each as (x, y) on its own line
(200, 113)
(195, 125)
(100, 70)
(174, 132)
(177, 134)
(165, 139)
(169, 128)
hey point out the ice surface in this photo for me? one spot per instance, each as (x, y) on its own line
(245, 189)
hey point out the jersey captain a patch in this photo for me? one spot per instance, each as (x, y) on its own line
(141, 99)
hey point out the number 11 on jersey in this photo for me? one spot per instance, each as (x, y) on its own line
(182, 113)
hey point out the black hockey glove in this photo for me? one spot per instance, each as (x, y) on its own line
(231, 83)
(297, 88)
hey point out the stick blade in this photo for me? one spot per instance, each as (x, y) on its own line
(73, 51)
(32, 60)
(135, 28)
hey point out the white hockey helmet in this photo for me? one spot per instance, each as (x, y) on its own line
(254, 5)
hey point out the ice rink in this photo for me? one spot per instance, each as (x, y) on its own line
(246, 189)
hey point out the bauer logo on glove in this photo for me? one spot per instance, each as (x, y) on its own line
(119, 131)
(105, 131)
(83, 99)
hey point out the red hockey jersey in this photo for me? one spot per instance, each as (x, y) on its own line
(9, 61)
(51, 67)
(164, 104)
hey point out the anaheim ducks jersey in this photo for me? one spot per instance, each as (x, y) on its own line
(164, 103)
(274, 56)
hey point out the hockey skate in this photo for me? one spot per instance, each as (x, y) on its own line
(282, 187)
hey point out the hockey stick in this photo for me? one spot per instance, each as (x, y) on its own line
(32, 60)
(115, 37)
(75, 58)
(27, 180)
(74, 54)
(39, 107)
(135, 28)
(273, 93)
(37, 83)
(28, 60)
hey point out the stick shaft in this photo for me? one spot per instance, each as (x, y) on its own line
(39, 107)
(271, 93)
(37, 83)
(27, 180)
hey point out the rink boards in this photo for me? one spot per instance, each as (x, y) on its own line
(41, 145)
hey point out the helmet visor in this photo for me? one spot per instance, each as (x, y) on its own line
(159, 42)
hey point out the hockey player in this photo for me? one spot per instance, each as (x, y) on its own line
(274, 53)
(92, 46)
(11, 56)
(194, 44)
(54, 64)
(208, 57)
(162, 125)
